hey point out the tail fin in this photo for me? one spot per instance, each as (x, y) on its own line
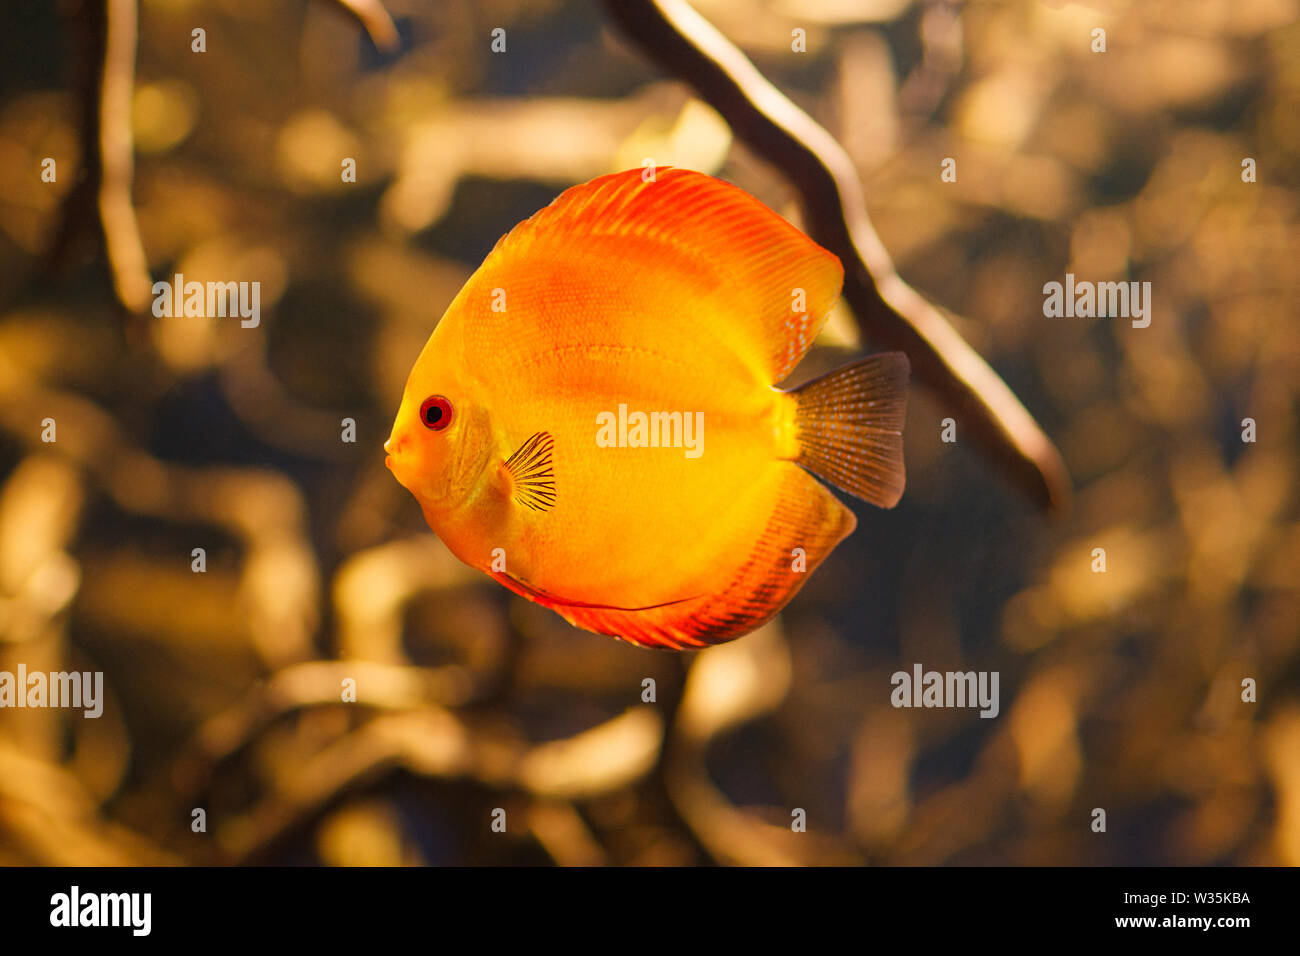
(850, 427)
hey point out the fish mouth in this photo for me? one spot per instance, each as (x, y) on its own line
(400, 470)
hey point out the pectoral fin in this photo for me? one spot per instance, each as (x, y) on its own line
(531, 475)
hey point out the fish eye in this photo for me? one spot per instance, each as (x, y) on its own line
(435, 412)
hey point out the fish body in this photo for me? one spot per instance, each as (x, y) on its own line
(606, 437)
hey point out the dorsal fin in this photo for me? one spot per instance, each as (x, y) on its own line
(751, 278)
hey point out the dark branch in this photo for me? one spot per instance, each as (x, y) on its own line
(102, 35)
(372, 15)
(888, 310)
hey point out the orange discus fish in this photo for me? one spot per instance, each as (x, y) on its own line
(594, 421)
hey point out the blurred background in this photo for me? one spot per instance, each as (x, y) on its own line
(1119, 690)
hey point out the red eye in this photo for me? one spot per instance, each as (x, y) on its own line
(436, 413)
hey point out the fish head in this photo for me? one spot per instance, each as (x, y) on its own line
(441, 437)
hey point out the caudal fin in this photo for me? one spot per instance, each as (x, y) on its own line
(850, 427)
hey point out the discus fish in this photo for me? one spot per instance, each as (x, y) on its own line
(594, 421)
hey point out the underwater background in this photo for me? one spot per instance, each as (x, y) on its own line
(1120, 690)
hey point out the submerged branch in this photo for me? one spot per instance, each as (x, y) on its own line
(102, 44)
(376, 21)
(103, 37)
(122, 243)
(888, 310)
